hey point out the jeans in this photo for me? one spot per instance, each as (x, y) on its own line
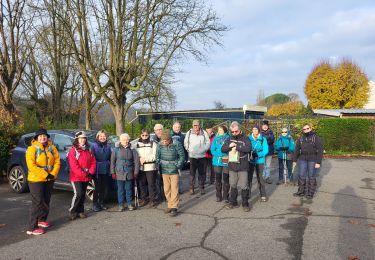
(306, 169)
(267, 167)
(126, 186)
(289, 164)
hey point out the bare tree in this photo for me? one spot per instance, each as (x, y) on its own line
(219, 105)
(260, 98)
(119, 44)
(13, 29)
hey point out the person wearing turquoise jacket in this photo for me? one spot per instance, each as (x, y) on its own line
(256, 161)
(220, 164)
(285, 148)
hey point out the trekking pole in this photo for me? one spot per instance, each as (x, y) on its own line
(285, 169)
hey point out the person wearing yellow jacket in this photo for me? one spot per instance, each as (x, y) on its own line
(43, 163)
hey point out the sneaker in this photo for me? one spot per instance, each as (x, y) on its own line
(120, 208)
(131, 207)
(43, 224)
(279, 182)
(298, 194)
(246, 208)
(73, 216)
(36, 232)
(229, 206)
(268, 181)
(82, 215)
(167, 210)
(173, 213)
(263, 199)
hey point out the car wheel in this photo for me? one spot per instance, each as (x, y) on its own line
(90, 190)
(17, 179)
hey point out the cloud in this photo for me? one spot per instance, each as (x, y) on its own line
(274, 45)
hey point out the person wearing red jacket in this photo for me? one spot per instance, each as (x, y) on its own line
(82, 167)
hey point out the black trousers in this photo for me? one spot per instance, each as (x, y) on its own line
(40, 198)
(79, 196)
(222, 182)
(259, 172)
(101, 188)
(208, 165)
(147, 182)
(197, 164)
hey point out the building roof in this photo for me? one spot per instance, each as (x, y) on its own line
(340, 112)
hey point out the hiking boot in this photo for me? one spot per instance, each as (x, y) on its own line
(152, 205)
(309, 197)
(96, 208)
(298, 194)
(82, 215)
(143, 203)
(246, 208)
(268, 180)
(226, 201)
(73, 216)
(202, 191)
(103, 207)
(263, 199)
(131, 207)
(279, 182)
(120, 208)
(43, 224)
(191, 191)
(173, 213)
(218, 199)
(167, 210)
(36, 232)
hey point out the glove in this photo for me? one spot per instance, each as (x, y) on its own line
(113, 176)
(50, 177)
(88, 175)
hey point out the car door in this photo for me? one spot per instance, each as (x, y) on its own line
(63, 143)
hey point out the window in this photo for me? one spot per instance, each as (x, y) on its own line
(63, 142)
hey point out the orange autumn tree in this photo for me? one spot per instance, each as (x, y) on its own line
(343, 85)
(292, 108)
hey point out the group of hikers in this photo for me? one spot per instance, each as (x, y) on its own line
(154, 165)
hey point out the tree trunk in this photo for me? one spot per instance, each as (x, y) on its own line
(9, 108)
(118, 112)
(88, 118)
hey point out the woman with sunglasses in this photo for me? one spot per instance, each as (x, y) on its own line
(309, 154)
(285, 148)
(147, 174)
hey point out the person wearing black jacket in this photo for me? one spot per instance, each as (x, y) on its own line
(309, 154)
(238, 146)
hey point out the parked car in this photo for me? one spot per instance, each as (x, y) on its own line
(63, 140)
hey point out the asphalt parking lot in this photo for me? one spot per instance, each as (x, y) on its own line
(338, 224)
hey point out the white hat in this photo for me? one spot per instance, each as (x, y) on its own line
(80, 134)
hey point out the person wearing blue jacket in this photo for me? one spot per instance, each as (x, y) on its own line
(285, 148)
(257, 158)
(220, 164)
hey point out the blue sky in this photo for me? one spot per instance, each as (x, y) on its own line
(273, 45)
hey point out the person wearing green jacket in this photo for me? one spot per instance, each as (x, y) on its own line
(170, 157)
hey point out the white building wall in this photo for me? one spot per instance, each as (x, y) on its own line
(371, 101)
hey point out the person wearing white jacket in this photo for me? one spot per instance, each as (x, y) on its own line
(197, 144)
(147, 175)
